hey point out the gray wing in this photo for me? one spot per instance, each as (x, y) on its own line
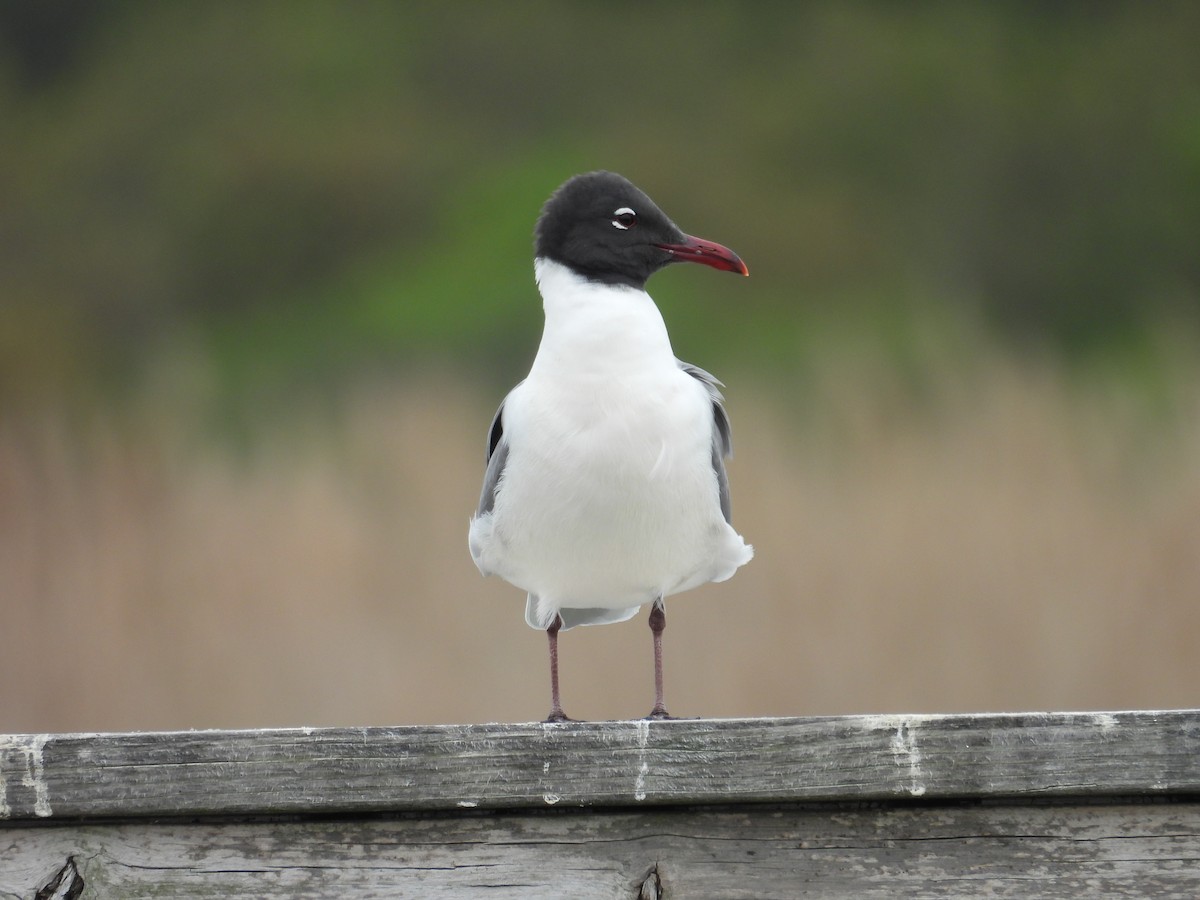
(496, 456)
(722, 447)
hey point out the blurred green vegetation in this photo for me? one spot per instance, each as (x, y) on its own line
(285, 192)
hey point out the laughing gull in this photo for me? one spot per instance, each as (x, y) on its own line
(605, 486)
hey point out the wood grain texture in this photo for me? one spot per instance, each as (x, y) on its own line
(1037, 805)
(601, 764)
(950, 850)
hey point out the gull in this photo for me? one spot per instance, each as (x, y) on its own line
(605, 487)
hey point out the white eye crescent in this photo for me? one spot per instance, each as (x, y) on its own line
(624, 218)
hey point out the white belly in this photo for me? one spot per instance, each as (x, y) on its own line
(612, 501)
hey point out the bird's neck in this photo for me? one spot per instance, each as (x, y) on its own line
(596, 326)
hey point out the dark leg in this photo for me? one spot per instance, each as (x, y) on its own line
(658, 622)
(556, 710)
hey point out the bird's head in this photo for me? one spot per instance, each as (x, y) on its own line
(601, 226)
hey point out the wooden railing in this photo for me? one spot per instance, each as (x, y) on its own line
(1064, 805)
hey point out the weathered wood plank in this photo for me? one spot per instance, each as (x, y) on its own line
(598, 764)
(734, 851)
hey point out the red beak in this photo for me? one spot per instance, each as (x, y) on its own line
(707, 253)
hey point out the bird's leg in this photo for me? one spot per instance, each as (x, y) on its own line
(658, 622)
(556, 710)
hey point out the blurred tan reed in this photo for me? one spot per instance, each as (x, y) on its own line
(1012, 541)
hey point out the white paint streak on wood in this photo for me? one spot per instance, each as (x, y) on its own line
(906, 753)
(903, 746)
(36, 776)
(549, 730)
(643, 739)
(30, 748)
(5, 807)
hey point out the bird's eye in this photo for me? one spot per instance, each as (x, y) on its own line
(624, 218)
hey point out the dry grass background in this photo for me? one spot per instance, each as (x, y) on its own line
(1013, 540)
